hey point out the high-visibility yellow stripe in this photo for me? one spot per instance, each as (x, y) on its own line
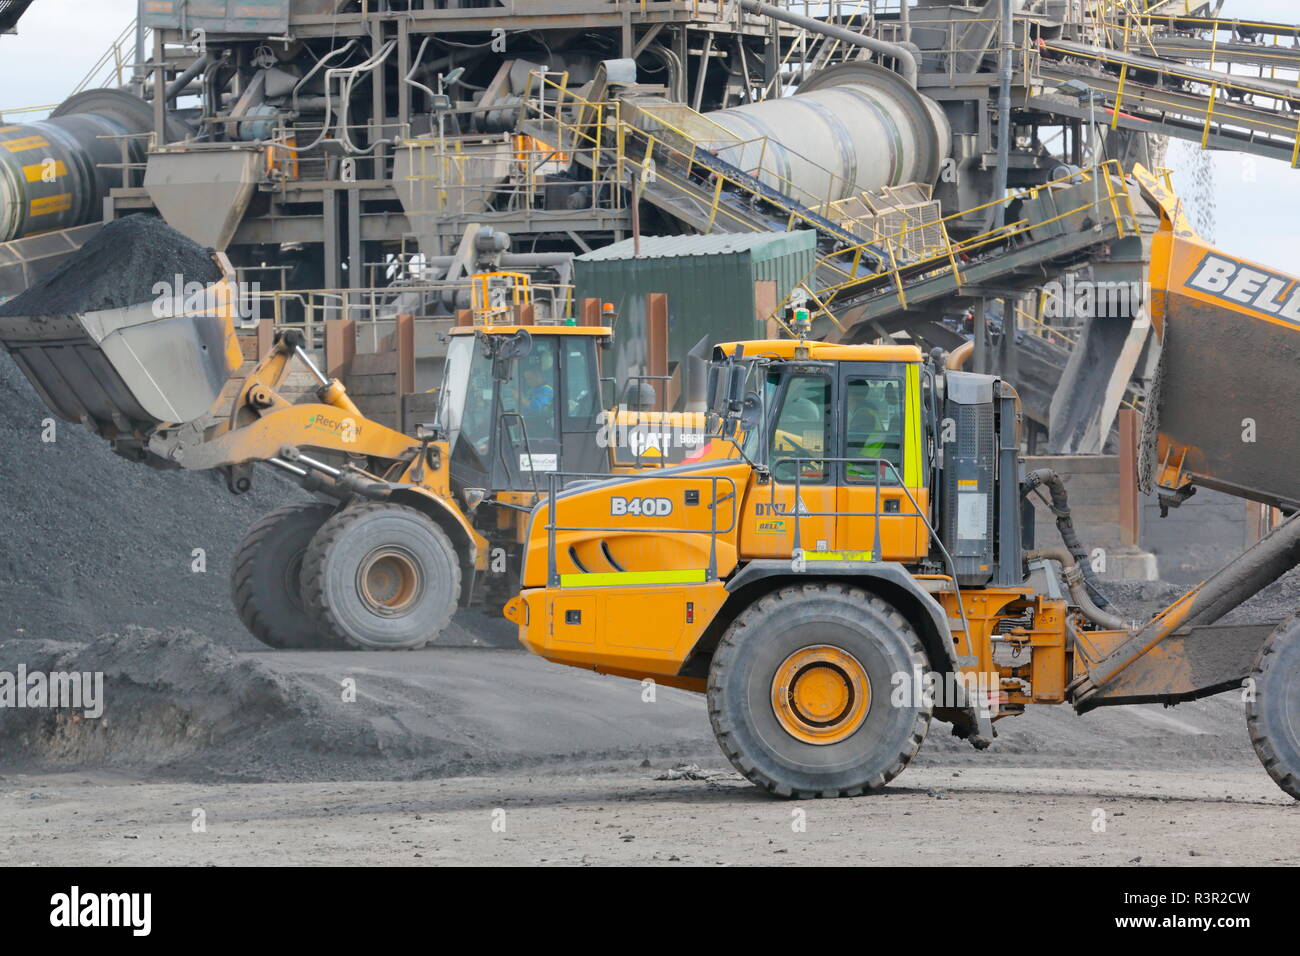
(7, 129)
(37, 172)
(24, 145)
(913, 473)
(838, 555)
(50, 205)
(631, 578)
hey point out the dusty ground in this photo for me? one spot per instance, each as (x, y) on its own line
(443, 747)
(1233, 817)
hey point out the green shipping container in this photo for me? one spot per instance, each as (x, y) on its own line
(722, 288)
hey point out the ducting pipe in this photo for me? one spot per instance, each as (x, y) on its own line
(849, 129)
(959, 356)
(178, 85)
(908, 63)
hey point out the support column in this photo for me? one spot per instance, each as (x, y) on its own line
(330, 204)
(159, 90)
(1010, 357)
(404, 68)
(1130, 503)
(980, 361)
(356, 258)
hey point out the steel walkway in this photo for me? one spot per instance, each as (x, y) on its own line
(1153, 95)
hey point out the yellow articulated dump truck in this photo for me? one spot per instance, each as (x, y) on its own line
(852, 560)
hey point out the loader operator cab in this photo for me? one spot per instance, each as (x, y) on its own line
(519, 403)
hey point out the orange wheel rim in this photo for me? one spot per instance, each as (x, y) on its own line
(821, 694)
(389, 581)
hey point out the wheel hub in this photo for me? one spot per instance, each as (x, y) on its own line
(821, 694)
(389, 580)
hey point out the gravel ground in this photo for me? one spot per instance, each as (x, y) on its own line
(179, 707)
(970, 816)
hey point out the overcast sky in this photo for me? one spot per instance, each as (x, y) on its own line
(1258, 200)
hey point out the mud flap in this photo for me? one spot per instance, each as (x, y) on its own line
(1200, 662)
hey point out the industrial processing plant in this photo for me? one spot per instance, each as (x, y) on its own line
(673, 379)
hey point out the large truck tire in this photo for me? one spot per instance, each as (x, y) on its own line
(266, 579)
(800, 692)
(381, 577)
(1273, 710)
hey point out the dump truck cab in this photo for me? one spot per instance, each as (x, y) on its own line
(838, 437)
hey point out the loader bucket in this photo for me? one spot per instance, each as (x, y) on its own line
(127, 371)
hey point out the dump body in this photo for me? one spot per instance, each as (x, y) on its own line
(1222, 414)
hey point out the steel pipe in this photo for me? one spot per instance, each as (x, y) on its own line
(906, 58)
(50, 171)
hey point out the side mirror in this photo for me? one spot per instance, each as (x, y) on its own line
(736, 376)
(713, 385)
(509, 351)
(751, 419)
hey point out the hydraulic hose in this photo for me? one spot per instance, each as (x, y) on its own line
(1073, 572)
(1060, 505)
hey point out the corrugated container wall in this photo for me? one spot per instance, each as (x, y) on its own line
(719, 287)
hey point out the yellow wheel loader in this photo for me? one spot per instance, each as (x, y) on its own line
(853, 559)
(407, 528)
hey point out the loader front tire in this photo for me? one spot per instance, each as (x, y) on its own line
(1273, 715)
(801, 692)
(266, 579)
(381, 577)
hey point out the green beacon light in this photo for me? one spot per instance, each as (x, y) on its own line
(802, 322)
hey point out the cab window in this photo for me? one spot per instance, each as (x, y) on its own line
(873, 429)
(802, 430)
(531, 392)
(579, 379)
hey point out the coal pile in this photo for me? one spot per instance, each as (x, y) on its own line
(94, 543)
(119, 267)
(174, 704)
